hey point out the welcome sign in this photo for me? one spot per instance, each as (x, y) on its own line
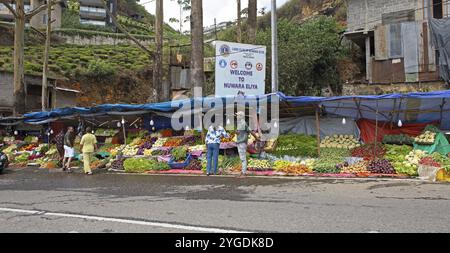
(240, 67)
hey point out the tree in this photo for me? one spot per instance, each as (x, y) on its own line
(239, 28)
(158, 57)
(44, 97)
(20, 18)
(252, 20)
(308, 55)
(185, 5)
(197, 68)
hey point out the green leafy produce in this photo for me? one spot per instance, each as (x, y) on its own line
(22, 158)
(398, 139)
(140, 165)
(397, 153)
(410, 162)
(28, 139)
(297, 145)
(329, 158)
(432, 128)
(228, 162)
(259, 164)
(443, 160)
(179, 154)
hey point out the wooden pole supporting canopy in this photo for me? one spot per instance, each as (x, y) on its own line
(376, 131)
(318, 129)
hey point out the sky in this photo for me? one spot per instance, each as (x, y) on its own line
(222, 10)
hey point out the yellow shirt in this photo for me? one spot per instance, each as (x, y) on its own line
(88, 141)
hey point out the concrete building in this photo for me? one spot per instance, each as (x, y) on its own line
(58, 97)
(395, 38)
(93, 12)
(38, 21)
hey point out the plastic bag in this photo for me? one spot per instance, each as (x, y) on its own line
(428, 172)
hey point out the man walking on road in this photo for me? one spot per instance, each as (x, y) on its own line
(88, 146)
(69, 139)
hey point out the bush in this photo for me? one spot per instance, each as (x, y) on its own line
(308, 55)
(100, 69)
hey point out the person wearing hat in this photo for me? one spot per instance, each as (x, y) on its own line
(242, 139)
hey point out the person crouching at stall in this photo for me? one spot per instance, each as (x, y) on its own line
(213, 137)
(69, 151)
(88, 146)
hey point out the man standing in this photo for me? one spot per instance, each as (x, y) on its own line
(88, 146)
(242, 139)
(69, 139)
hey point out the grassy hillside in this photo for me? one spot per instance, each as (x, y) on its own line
(68, 60)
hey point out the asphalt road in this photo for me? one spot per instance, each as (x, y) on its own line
(36, 200)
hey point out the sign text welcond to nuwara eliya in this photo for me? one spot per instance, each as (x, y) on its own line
(240, 67)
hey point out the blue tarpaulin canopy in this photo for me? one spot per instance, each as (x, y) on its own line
(410, 107)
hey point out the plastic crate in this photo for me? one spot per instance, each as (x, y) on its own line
(172, 164)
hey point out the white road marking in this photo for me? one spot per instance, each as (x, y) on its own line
(126, 221)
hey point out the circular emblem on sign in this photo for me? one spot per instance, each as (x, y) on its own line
(248, 65)
(234, 64)
(259, 66)
(225, 50)
(223, 63)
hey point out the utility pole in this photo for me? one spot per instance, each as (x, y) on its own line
(158, 57)
(274, 48)
(239, 28)
(252, 20)
(215, 27)
(44, 95)
(197, 63)
(181, 18)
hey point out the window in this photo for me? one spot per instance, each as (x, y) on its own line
(2, 6)
(92, 22)
(92, 9)
(44, 19)
(26, 7)
(438, 9)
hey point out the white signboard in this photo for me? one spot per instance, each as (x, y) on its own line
(240, 67)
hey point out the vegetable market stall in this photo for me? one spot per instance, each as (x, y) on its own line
(377, 137)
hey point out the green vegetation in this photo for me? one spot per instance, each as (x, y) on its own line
(308, 55)
(68, 60)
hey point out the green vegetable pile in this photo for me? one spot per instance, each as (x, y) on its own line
(443, 160)
(179, 154)
(140, 165)
(297, 145)
(228, 162)
(329, 158)
(398, 139)
(22, 158)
